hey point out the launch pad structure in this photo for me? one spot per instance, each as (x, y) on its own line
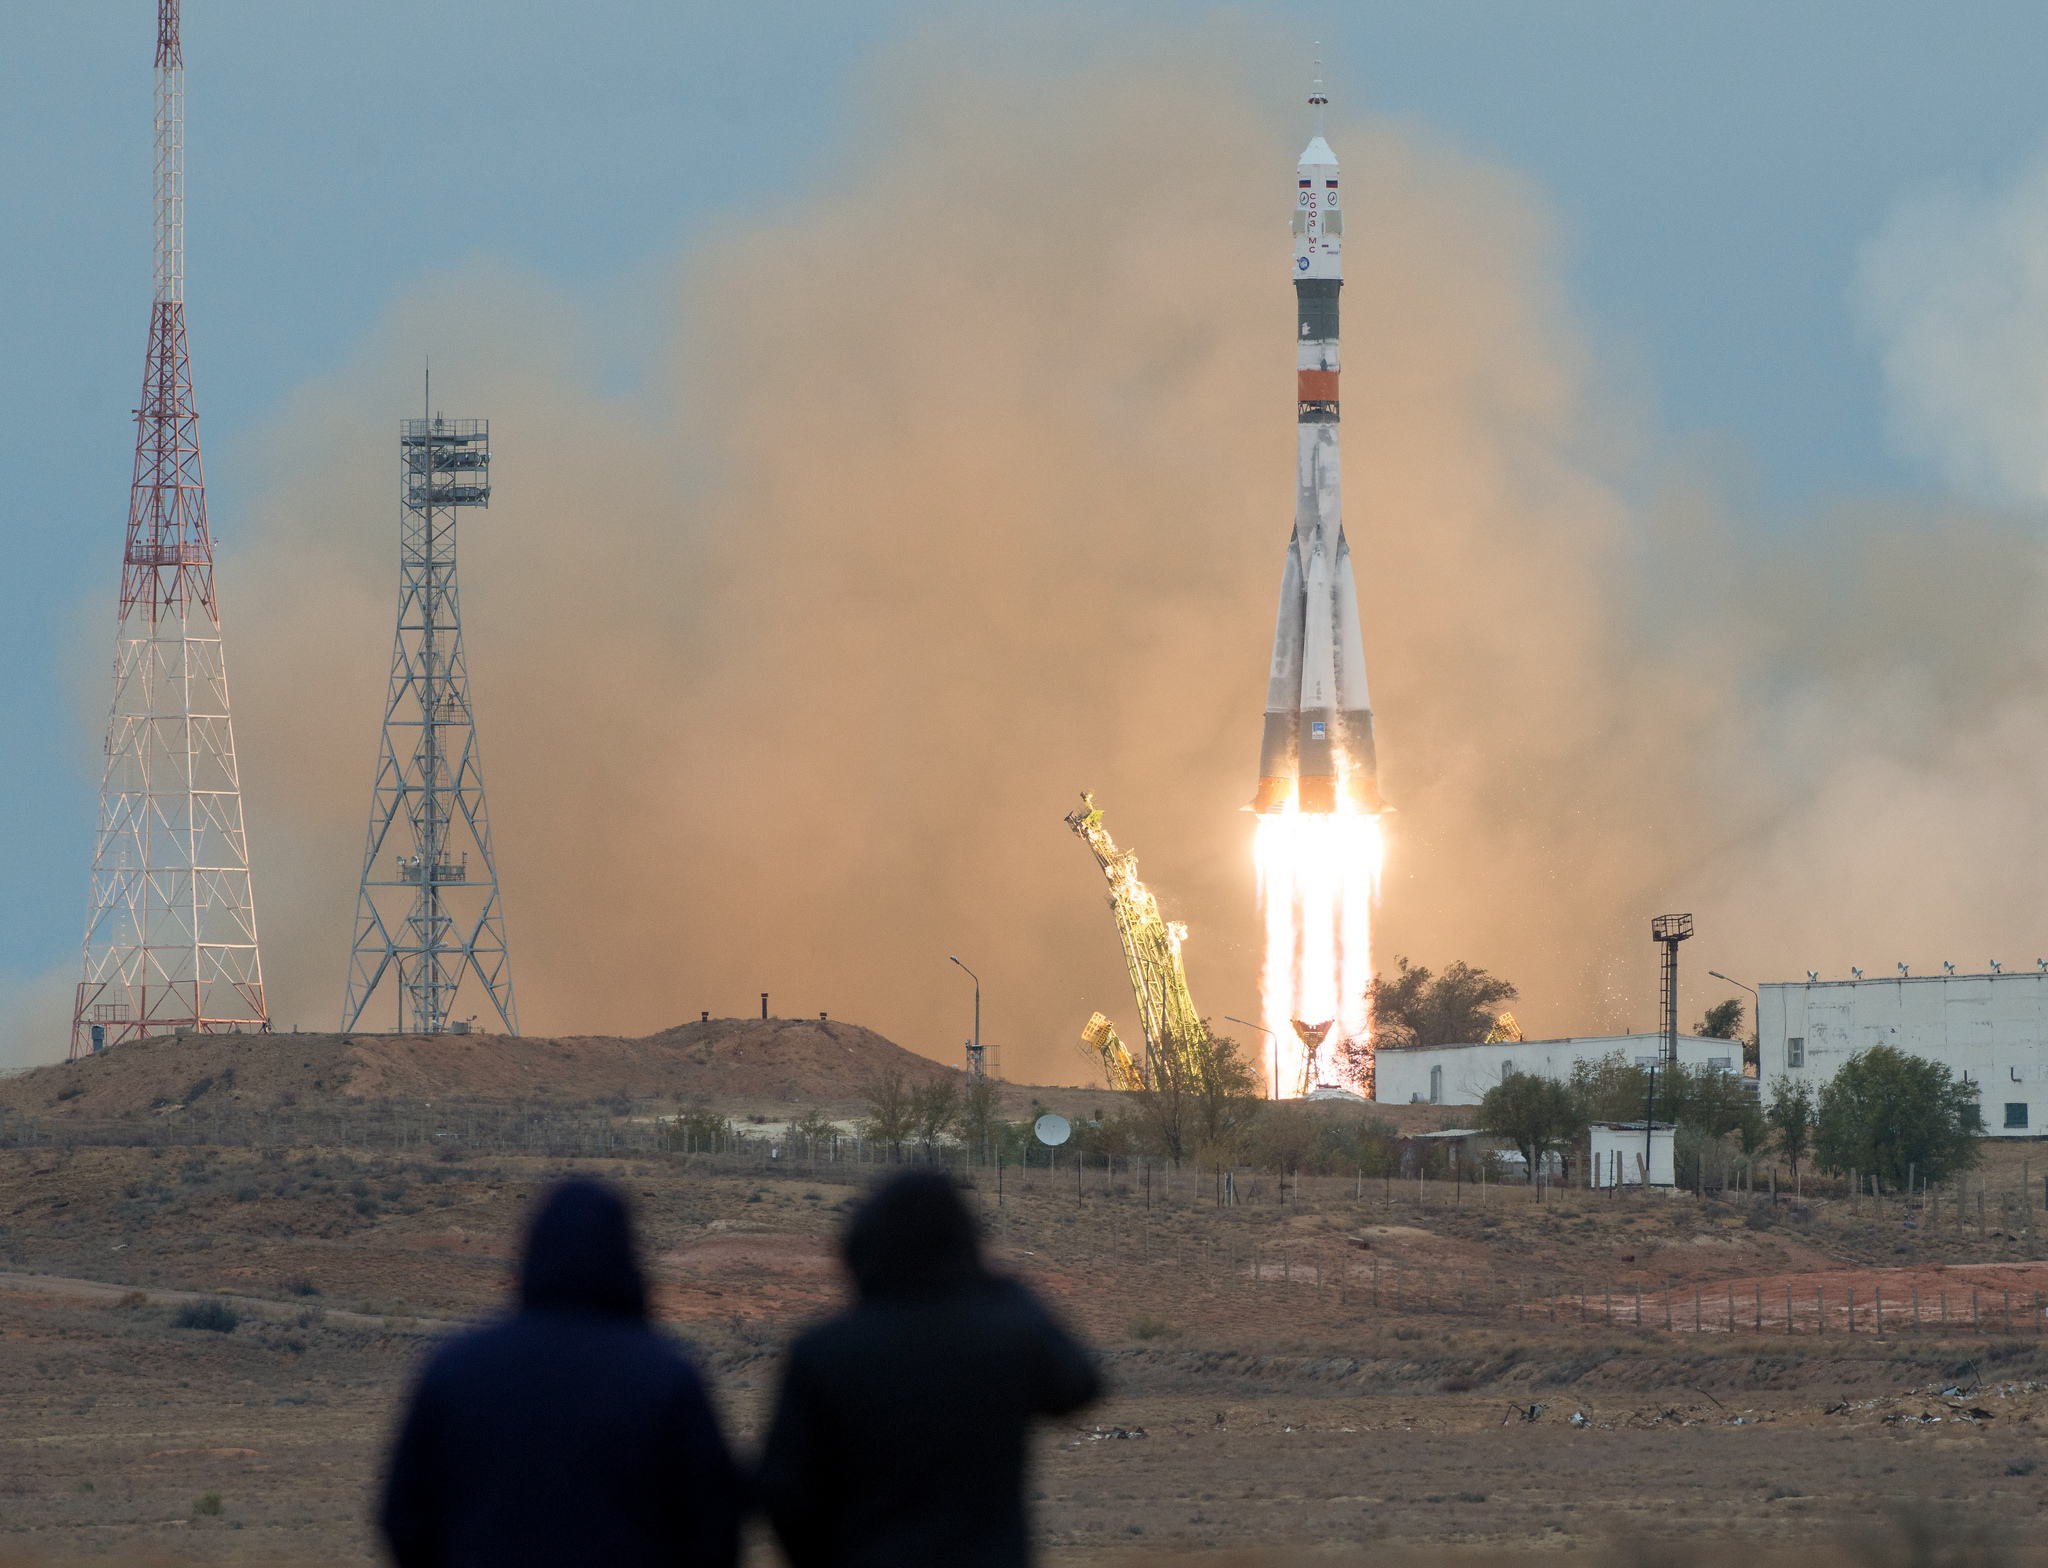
(170, 941)
(429, 906)
(1151, 944)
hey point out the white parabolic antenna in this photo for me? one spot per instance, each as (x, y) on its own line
(1052, 1130)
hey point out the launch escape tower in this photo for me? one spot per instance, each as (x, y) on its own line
(1152, 951)
(170, 943)
(429, 902)
(1670, 930)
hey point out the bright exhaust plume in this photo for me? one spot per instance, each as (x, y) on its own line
(1319, 879)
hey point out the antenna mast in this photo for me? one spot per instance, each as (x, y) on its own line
(428, 903)
(170, 943)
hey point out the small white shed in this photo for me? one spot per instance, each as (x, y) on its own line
(1619, 1150)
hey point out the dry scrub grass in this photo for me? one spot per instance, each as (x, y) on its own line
(1276, 1411)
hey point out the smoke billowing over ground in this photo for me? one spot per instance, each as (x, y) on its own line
(958, 482)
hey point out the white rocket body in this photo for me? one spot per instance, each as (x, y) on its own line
(1318, 746)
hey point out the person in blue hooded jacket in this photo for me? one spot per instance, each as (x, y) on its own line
(571, 1432)
(900, 1431)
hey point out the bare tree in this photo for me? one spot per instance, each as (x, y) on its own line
(891, 1115)
(812, 1131)
(1203, 1093)
(934, 1108)
(980, 1108)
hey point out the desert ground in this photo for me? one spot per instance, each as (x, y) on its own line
(1327, 1364)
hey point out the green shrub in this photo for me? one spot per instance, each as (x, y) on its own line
(1894, 1114)
(207, 1504)
(215, 1316)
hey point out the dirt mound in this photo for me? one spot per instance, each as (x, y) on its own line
(736, 1064)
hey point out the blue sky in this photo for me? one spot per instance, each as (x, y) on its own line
(1716, 170)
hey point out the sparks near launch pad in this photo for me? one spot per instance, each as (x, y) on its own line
(1318, 799)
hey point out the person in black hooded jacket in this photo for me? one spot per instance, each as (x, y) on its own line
(570, 1433)
(899, 1432)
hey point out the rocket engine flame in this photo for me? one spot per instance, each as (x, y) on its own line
(1319, 878)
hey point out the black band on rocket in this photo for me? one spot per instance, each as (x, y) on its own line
(1315, 302)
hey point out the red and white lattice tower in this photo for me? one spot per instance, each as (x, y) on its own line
(171, 940)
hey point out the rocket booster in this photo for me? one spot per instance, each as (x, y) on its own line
(1318, 747)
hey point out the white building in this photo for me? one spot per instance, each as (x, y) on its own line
(1618, 1151)
(1461, 1074)
(1987, 1029)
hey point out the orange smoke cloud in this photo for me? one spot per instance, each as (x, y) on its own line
(960, 485)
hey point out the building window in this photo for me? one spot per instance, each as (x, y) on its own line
(2015, 1114)
(1795, 1051)
(1724, 1064)
(1507, 1071)
(1436, 1086)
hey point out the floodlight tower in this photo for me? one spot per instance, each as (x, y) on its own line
(429, 903)
(170, 943)
(1671, 930)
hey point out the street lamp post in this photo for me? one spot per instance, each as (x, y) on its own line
(974, 1067)
(1269, 1035)
(1756, 1018)
(1719, 976)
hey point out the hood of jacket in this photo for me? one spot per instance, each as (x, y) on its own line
(912, 1238)
(580, 1254)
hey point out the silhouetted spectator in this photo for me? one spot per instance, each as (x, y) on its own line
(570, 1433)
(900, 1430)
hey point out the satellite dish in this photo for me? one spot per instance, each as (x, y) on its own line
(1052, 1130)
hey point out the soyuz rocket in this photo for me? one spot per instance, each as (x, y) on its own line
(1318, 748)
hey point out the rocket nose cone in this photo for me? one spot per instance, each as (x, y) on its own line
(1318, 155)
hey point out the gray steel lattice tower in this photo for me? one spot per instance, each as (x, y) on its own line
(429, 903)
(171, 939)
